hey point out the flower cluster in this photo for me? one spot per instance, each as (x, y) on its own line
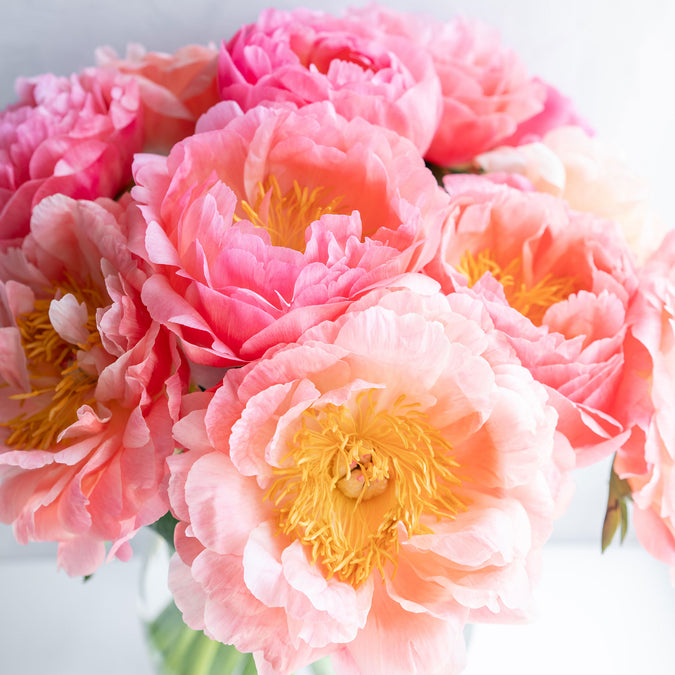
(355, 327)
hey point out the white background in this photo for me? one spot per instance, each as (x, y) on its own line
(597, 614)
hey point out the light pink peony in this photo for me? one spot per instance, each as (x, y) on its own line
(589, 175)
(486, 89)
(91, 387)
(176, 89)
(75, 136)
(366, 491)
(558, 283)
(304, 56)
(268, 222)
(647, 460)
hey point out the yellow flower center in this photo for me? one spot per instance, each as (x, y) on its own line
(287, 216)
(58, 385)
(353, 476)
(529, 298)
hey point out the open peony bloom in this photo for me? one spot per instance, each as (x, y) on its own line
(268, 222)
(91, 387)
(558, 283)
(486, 89)
(394, 474)
(589, 176)
(75, 136)
(304, 56)
(175, 89)
(647, 461)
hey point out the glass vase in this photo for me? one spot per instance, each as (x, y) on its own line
(176, 649)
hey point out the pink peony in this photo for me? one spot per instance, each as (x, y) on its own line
(647, 461)
(486, 90)
(91, 387)
(175, 89)
(558, 111)
(304, 56)
(75, 136)
(558, 283)
(367, 490)
(268, 222)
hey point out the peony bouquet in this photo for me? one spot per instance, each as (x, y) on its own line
(338, 308)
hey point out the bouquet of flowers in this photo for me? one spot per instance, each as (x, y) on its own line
(339, 308)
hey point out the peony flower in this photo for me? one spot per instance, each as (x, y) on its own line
(75, 136)
(268, 222)
(558, 111)
(91, 387)
(647, 460)
(175, 89)
(301, 57)
(558, 283)
(589, 176)
(486, 90)
(366, 490)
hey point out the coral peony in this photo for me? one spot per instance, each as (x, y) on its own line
(91, 387)
(304, 56)
(75, 136)
(486, 89)
(270, 224)
(365, 491)
(589, 176)
(647, 461)
(176, 89)
(558, 283)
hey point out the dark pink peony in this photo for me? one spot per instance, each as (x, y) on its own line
(304, 56)
(75, 136)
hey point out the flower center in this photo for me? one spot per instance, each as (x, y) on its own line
(287, 216)
(530, 299)
(354, 475)
(59, 385)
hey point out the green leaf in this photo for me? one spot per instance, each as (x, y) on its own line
(617, 509)
(441, 171)
(165, 527)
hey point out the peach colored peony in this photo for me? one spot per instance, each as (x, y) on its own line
(75, 136)
(268, 222)
(647, 461)
(590, 176)
(558, 283)
(91, 387)
(393, 473)
(486, 89)
(304, 56)
(176, 89)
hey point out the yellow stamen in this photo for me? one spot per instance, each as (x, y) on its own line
(58, 385)
(352, 476)
(287, 216)
(530, 299)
